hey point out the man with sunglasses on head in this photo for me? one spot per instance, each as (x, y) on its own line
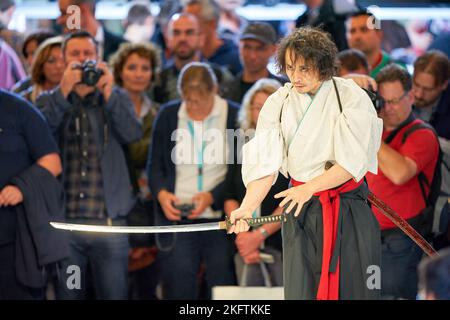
(407, 151)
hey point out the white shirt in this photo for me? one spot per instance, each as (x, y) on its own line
(214, 157)
(351, 138)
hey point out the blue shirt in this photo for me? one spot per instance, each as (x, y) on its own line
(24, 138)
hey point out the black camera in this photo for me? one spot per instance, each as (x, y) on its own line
(185, 209)
(90, 74)
(377, 100)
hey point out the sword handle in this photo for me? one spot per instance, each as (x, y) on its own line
(255, 222)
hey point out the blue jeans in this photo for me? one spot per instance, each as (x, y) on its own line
(399, 261)
(181, 265)
(103, 263)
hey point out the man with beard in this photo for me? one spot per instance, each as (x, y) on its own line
(257, 44)
(431, 90)
(432, 104)
(185, 41)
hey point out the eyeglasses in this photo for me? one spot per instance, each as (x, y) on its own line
(395, 101)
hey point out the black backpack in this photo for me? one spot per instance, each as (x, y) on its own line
(435, 186)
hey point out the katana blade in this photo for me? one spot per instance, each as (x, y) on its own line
(221, 225)
(141, 229)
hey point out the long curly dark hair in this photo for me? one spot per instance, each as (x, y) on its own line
(314, 46)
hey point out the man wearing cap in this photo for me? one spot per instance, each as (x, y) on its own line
(256, 47)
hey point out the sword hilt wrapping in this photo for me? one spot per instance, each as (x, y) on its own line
(255, 222)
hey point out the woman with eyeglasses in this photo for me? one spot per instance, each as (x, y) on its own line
(187, 170)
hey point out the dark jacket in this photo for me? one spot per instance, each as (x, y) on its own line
(124, 129)
(440, 120)
(328, 21)
(237, 89)
(227, 55)
(161, 169)
(111, 44)
(37, 243)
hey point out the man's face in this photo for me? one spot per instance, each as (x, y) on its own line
(255, 54)
(184, 37)
(398, 104)
(80, 50)
(304, 78)
(426, 92)
(360, 37)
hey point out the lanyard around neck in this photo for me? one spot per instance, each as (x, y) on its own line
(200, 152)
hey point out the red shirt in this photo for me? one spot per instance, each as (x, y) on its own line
(422, 147)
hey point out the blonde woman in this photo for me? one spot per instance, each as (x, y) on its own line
(47, 68)
(250, 244)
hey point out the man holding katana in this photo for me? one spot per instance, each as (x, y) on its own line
(331, 237)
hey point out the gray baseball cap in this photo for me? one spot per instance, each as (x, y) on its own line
(260, 31)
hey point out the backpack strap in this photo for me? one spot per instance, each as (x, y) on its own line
(423, 181)
(416, 127)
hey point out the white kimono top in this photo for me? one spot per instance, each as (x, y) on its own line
(312, 132)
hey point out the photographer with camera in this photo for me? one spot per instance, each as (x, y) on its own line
(187, 170)
(92, 122)
(408, 151)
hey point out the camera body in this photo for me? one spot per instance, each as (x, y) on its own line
(185, 209)
(90, 74)
(377, 100)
